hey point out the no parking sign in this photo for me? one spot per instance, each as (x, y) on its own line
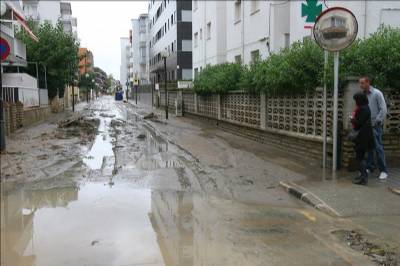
(4, 49)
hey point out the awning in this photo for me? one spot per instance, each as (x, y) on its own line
(20, 17)
(26, 28)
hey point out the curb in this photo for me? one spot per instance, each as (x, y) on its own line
(395, 190)
(307, 197)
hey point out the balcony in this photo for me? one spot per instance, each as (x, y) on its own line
(142, 60)
(142, 44)
(65, 8)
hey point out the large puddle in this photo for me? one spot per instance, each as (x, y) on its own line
(84, 222)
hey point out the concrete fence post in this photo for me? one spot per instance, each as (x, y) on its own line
(195, 103)
(348, 102)
(179, 103)
(346, 146)
(263, 111)
(219, 106)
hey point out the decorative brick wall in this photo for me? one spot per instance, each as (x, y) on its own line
(241, 108)
(207, 105)
(292, 123)
(171, 99)
(392, 123)
(188, 101)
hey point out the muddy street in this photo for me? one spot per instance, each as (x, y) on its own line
(127, 193)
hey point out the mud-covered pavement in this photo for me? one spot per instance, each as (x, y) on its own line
(124, 194)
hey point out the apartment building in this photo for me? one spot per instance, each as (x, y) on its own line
(126, 51)
(51, 11)
(140, 49)
(242, 31)
(86, 63)
(170, 25)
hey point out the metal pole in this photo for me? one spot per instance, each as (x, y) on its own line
(335, 108)
(136, 90)
(2, 122)
(326, 53)
(37, 74)
(165, 89)
(73, 98)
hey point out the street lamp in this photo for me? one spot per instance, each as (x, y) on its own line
(87, 89)
(164, 55)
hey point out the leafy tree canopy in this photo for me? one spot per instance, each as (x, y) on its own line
(57, 50)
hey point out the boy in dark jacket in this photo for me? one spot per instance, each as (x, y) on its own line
(364, 142)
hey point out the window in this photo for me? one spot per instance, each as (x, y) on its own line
(186, 74)
(195, 39)
(186, 15)
(287, 40)
(172, 47)
(254, 6)
(238, 10)
(238, 59)
(208, 30)
(255, 56)
(186, 45)
(201, 34)
(172, 19)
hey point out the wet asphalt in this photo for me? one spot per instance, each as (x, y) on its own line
(133, 197)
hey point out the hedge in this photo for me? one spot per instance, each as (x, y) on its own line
(299, 69)
(218, 79)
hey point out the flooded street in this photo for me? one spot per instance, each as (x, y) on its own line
(136, 198)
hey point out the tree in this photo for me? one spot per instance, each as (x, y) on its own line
(86, 82)
(57, 50)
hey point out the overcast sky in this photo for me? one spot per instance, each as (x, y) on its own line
(100, 26)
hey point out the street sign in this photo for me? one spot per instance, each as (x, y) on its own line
(4, 49)
(310, 10)
(335, 29)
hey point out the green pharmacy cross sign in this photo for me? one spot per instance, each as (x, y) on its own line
(311, 9)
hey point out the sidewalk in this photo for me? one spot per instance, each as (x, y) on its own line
(335, 195)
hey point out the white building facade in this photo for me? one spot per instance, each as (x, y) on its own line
(140, 49)
(51, 11)
(241, 31)
(125, 62)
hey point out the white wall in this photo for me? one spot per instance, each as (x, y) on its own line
(124, 62)
(269, 26)
(369, 14)
(138, 37)
(208, 50)
(28, 92)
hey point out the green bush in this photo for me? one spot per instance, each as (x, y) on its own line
(218, 79)
(378, 57)
(300, 68)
